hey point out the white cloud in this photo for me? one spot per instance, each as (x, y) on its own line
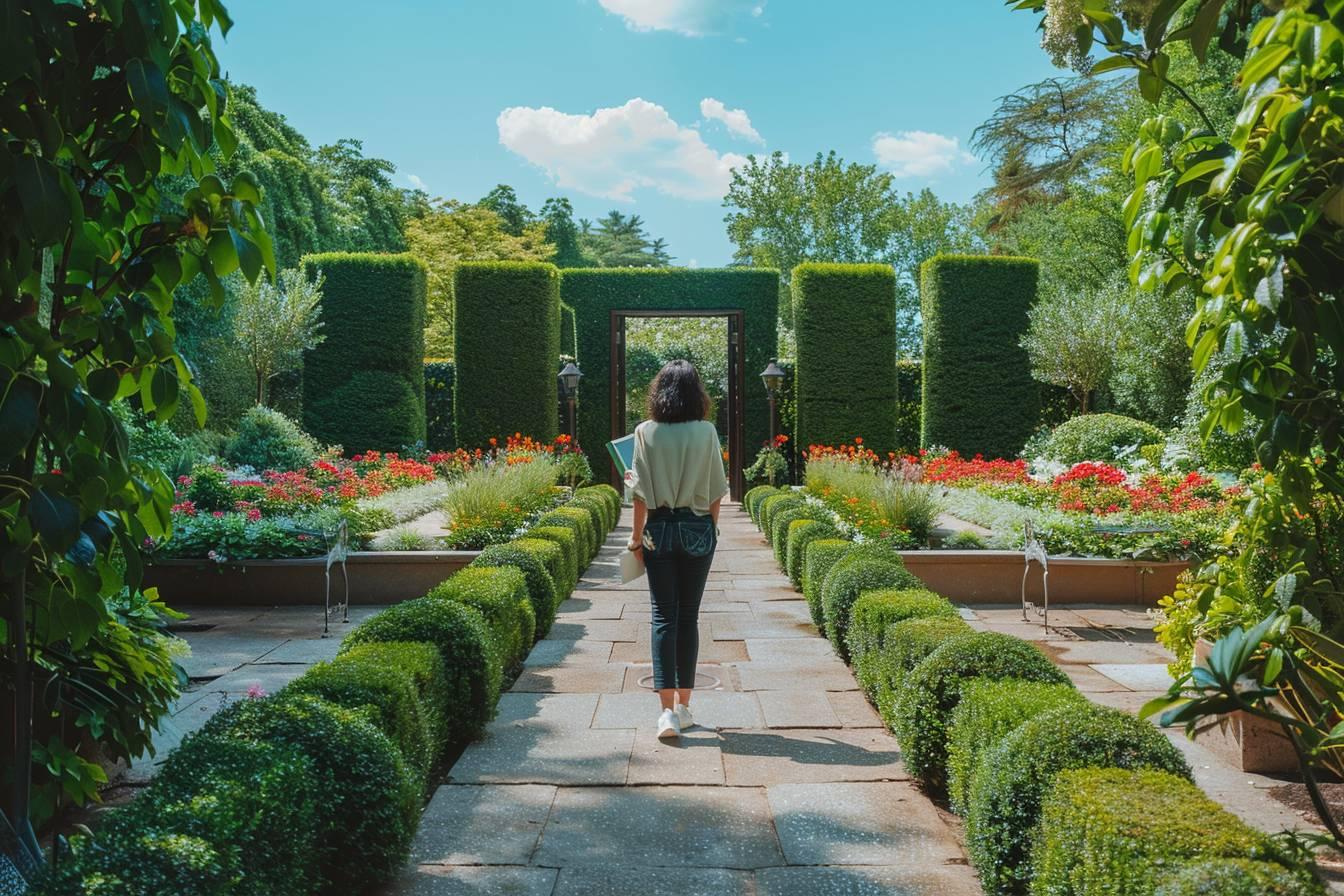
(613, 152)
(919, 153)
(416, 182)
(735, 120)
(693, 18)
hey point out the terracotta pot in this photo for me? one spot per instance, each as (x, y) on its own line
(1247, 742)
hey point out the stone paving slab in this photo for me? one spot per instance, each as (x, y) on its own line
(446, 880)
(216, 653)
(302, 650)
(789, 651)
(594, 630)
(809, 756)
(797, 709)
(626, 881)
(712, 709)
(538, 754)
(490, 824)
(853, 709)
(571, 679)
(859, 824)
(711, 651)
(700, 827)
(760, 677)
(570, 653)
(870, 880)
(554, 711)
(694, 758)
(1137, 676)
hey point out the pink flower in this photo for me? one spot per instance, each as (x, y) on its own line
(218, 513)
(255, 692)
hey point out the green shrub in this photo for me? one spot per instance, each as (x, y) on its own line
(585, 535)
(784, 500)
(1112, 830)
(595, 294)
(221, 817)
(965, 540)
(268, 440)
(361, 680)
(460, 635)
(440, 375)
(849, 578)
(597, 513)
(905, 645)
(779, 529)
(541, 589)
(908, 408)
(933, 689)
(990, 709)
(364, 384)
(978, 393)
(505, 385)
(367, 800)
(820, 557)
(875, 612)
(552, 558)
(500, 595)
(1098, 437)
(845, 364)
(751, 500)
(567, 539)
(801, 534)
(1013, 779)
(1238, 877)
(422, 661)
(209, 490)
(610, 502)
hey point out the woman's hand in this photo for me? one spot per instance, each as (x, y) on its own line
(634, 547)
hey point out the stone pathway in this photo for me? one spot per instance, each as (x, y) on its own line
(791, 785)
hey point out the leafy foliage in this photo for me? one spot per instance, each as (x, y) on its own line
(856, 573)
(873, 615)
(268, 440)
(905, 644)
(541, 588)
(1097, 437)
(276, 324)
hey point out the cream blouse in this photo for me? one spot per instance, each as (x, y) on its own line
(678, 465)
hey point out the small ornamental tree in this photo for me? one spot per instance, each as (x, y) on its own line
(101, 104)
(276, 323)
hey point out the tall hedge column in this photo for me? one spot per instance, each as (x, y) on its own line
(364, 384)
(979, 397)
(844, 318)
(507, 345)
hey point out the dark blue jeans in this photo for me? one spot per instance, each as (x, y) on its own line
(678, 550)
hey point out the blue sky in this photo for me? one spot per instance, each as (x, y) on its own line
(642, 105)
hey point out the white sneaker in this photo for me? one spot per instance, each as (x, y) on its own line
(684, 716)
(669, 725)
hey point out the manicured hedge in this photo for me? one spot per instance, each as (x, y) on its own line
(779, 529)
(500, 595)
(1238, 877)
(552, 557)
(367, 799)
(541, 588)
(784, 500)
(595, 293)
(597, 511)
(818, 561)
(364, 384)
(854, 574)
(801, 534)
(978, 393)
(904, 646)
(506, 344)
(460, 635)
(751, 501)
(845, 324)
(1111, 830)
(567, 538)
(909, 397)
(610, 500)
(933, 689)
(874, 613)
(586, 535)
(439, 378)
(1015, 777)
(1099, 437)
(989, 711)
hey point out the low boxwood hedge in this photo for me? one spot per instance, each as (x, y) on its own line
(596, 509)
(551, 556)
(585, 532)
(751, 501)
(933, 689)
(875, 612)
(500, 595)
(801, 534)
(819, 559)
(367, 799)
(1014, 778)
(904, 646)
(1238, 877)
(857, 572)
(1113, 830)
(386, 693)
(541, 588)
(779, 529)
(460, 635)
(990, 709)
(567, 538)
(223, 816)
(611, 502)
(784, 500)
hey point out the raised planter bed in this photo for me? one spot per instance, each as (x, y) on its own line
(1244, 741)
(995, 577)
(376, 577)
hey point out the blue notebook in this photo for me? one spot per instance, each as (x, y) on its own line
(622, 452)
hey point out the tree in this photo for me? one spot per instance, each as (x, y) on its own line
(503, 201)
(276, 324)
(452, 232)
(558, 217)
(620, 242)
(1073, 340)
(91, 250)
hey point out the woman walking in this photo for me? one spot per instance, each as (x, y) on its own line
(678, 484)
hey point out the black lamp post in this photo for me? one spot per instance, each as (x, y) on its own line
(569, 387)
(773, 378)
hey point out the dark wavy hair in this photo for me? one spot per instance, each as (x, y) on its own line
(677, 395)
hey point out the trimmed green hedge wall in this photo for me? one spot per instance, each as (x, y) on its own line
(506, 340)
(439, 379)
(595, 293)
(908, 405)
(364, 384)
(979, 397)
(844, 317)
